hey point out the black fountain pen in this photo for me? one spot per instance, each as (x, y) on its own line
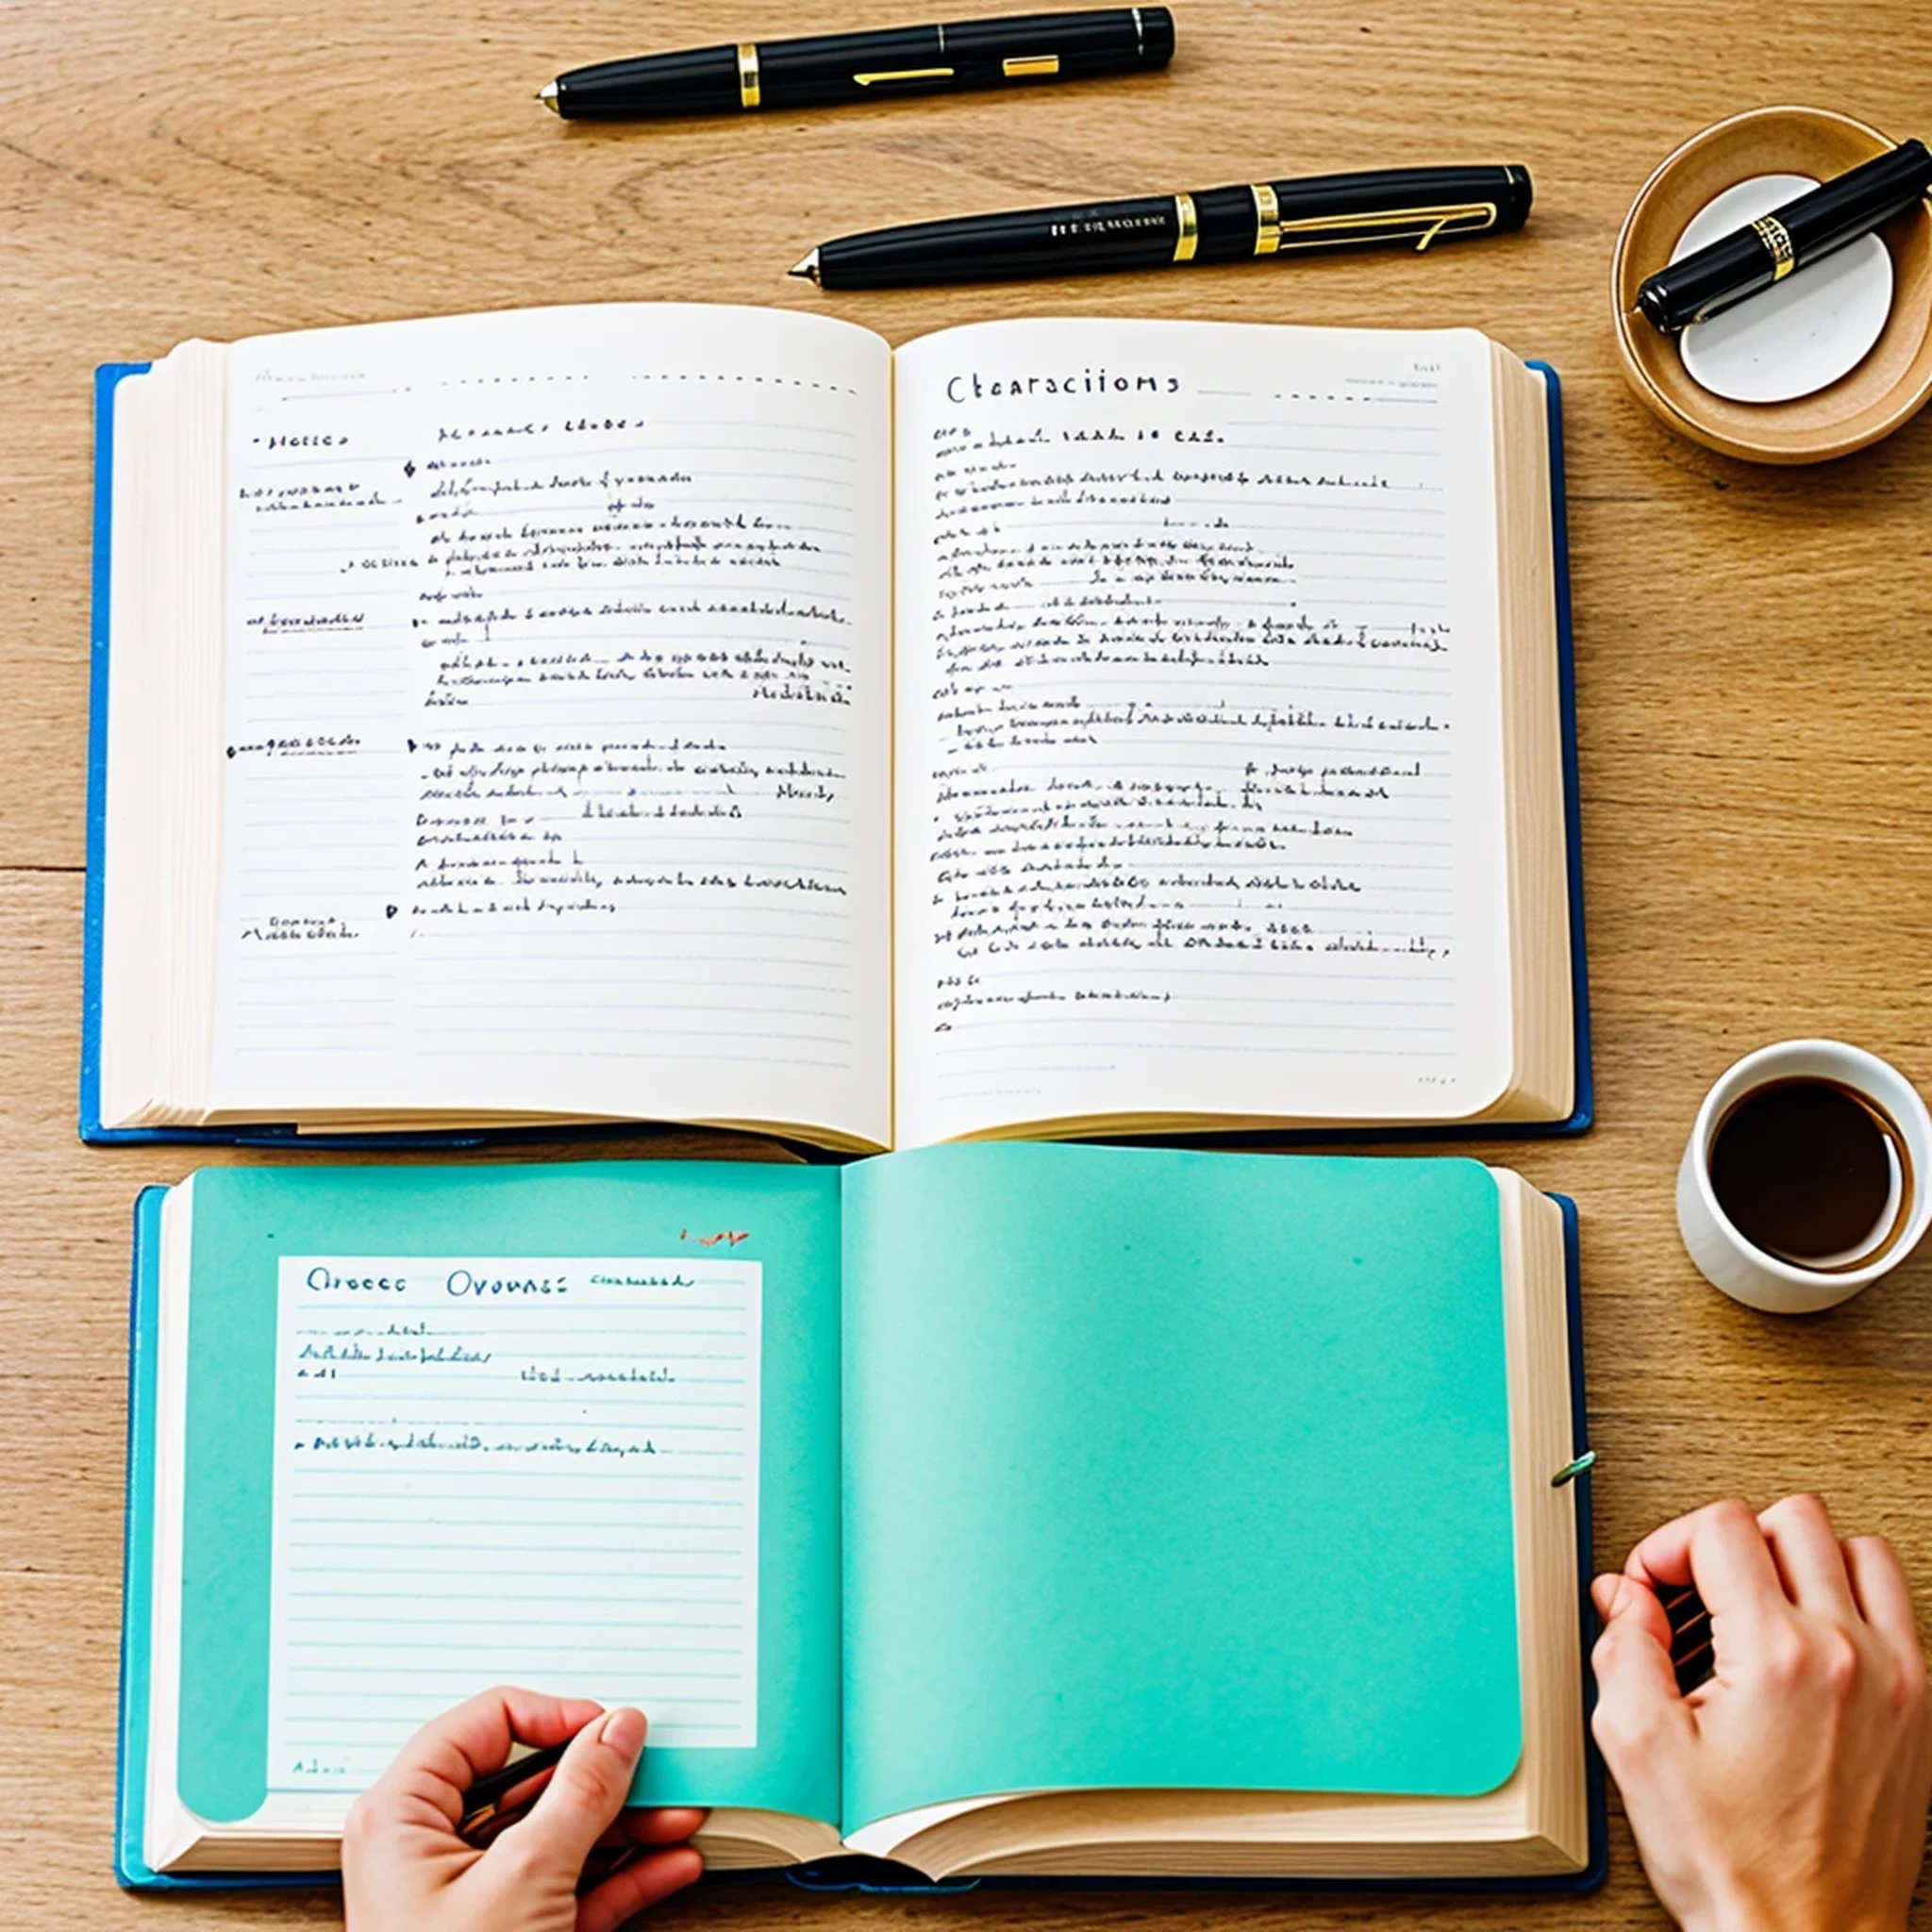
(1817, 224)
(834, 68)
(1261, 218)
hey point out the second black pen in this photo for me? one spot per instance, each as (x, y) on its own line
(1413, 206)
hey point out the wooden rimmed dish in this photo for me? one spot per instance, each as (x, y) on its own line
(1888, 385)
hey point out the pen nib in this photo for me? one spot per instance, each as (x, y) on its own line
(547, 95)
(808, 269)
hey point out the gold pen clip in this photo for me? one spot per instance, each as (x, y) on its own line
(903, 73)
(1422, 224)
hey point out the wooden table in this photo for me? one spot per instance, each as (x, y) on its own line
(1754, 654)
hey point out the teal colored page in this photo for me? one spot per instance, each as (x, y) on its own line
(1173, 1469)
(397, 1488)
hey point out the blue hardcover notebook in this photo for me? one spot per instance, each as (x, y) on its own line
(805, 1460)
(1081, 826)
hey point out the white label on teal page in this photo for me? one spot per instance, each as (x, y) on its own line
(510, 1470)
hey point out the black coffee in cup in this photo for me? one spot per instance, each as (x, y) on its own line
(1811, 1172)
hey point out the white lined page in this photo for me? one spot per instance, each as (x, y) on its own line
(1199, 737)
(510, 1470)
(556, 722)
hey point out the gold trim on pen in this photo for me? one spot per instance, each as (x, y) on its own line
(1267, 218)
(1017, 66)
(747, 74)
(904, 74)
(1777, 242)
(1187, 229)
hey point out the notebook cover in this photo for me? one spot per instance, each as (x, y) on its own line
(1584, 1111)
(842, 1874)
(268, 1134)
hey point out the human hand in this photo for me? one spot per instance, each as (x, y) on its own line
(1788, 1792)
(406, 1870)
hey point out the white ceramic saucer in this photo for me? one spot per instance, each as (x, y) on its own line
(1800, 335)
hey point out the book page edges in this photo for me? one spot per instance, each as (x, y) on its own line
(1543, 1021)
(165, 593)
(812, 1135)
(739, 1839)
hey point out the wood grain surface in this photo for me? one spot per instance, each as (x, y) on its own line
(1753, 658)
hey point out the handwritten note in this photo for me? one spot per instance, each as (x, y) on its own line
(511, 1469)
(1198, 731)
(557, 745)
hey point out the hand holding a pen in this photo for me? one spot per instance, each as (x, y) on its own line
(407, 1867)
(1787, 1792)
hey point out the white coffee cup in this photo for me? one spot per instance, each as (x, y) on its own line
(1744, 1271)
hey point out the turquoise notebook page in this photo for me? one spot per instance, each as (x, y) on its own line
(722, 1216)
(1173, 1469)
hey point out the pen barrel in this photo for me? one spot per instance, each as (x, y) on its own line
(1066, 46)
(1410, 206)
(830, 70)
(1711, 280)
(958, 55)
(1854, 203)
(1708, 282)
(1084, 237)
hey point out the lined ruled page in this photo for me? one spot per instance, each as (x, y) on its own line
(1199, 734)
(510, 1470)
(557, 756)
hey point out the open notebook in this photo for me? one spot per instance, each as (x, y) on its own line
(711, 714)
(1000, 1510)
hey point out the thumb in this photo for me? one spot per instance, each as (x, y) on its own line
(584, 1793)
(1638, 1706)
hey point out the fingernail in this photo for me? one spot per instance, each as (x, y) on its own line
(624, 1731)
(1609, 1593)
